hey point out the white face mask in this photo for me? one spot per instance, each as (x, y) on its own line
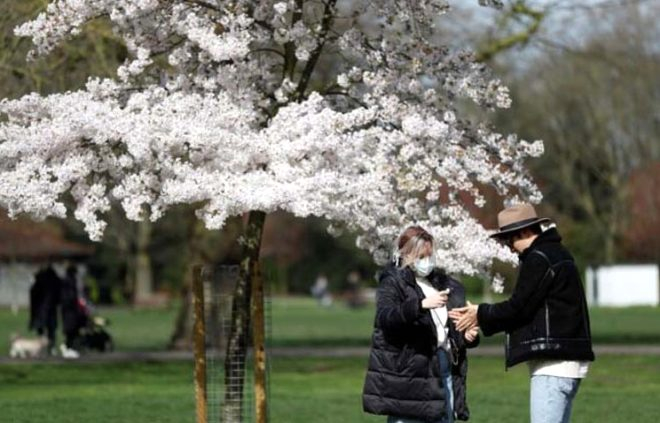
(424, 266)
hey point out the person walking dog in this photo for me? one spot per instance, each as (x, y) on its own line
(44, 301)
(546, 319)
(418, 364)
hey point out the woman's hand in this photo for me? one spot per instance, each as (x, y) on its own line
(472, 333)
(436, 300)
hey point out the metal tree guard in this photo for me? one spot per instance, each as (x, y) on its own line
(201, 344)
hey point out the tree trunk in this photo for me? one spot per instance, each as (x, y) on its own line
(181, 338)
(203, 248)
(487, 292)
(235, 361)
(609, 243)
(201, 394)
(143, 275)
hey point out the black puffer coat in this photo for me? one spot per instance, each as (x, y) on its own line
(403, 377)
(546, 316)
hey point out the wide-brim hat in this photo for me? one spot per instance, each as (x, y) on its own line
(515, 218)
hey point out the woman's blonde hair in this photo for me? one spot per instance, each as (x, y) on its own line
(413, 243)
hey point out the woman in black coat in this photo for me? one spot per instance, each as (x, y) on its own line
(418, 364)
(74, 317)
(44, 299)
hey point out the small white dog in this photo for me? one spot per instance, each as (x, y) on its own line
(26, 347)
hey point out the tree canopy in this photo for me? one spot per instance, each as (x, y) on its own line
(340, 109)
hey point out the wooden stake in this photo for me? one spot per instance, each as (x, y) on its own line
(199, 339)
(259, 338)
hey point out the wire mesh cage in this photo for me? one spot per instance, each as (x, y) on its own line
(228, 304)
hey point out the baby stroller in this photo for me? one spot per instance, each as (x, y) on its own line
(93, 335)
(83, 331)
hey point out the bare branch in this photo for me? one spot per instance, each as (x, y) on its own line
(204, 4)
(499, 45)
(345, 94)
(268, 50)
(314, 57)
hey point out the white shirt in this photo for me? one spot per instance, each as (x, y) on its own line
(572, 369)
(439, 314)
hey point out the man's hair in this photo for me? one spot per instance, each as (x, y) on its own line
(536, 229)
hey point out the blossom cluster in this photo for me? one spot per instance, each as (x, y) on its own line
(230, 122)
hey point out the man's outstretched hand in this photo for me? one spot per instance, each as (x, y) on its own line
(465, 317)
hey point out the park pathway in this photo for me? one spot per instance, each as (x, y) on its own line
(319, 352)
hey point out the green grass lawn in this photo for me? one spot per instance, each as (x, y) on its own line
(132, 329)
(300, 322)
(303, 390)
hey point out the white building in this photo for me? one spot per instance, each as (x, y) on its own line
(25, 246)
(623, 285)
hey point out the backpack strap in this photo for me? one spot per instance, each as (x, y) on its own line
(542, 254)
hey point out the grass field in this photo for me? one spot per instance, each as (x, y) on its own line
(132, 329)
(303, 390)
(306, 390)
(300, 322)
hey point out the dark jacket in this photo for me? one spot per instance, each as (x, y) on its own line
(44, 299)
(546, 316)
(73, 315)
(403, 376)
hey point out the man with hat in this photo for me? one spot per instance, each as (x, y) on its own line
(546, 318)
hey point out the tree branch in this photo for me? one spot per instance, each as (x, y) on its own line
(311, 63)
(268, 50)
(205, 5)
(290, 48)
(264, 25)
(345, 94)
(499, 45)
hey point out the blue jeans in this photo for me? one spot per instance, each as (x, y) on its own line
(551, 398)
(445, 373)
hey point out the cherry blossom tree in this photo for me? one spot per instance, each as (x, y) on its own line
(345, 109)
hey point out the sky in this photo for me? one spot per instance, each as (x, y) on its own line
(567, 23)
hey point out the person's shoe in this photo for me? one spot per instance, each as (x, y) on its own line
(69, 352)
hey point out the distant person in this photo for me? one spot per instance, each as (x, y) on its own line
(74, 316)
(354, 297)
(546, 318)
(320, 291)
(44, 300)
(87, 298)
(418, 363)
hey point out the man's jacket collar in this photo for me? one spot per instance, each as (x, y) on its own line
(549, 236)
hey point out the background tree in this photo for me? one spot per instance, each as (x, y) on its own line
(96, 52)
(642, 237)
(595, 106)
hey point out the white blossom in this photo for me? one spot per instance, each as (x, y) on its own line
(221, 123)
(281, 7)
(343, 80)
(497, 284)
